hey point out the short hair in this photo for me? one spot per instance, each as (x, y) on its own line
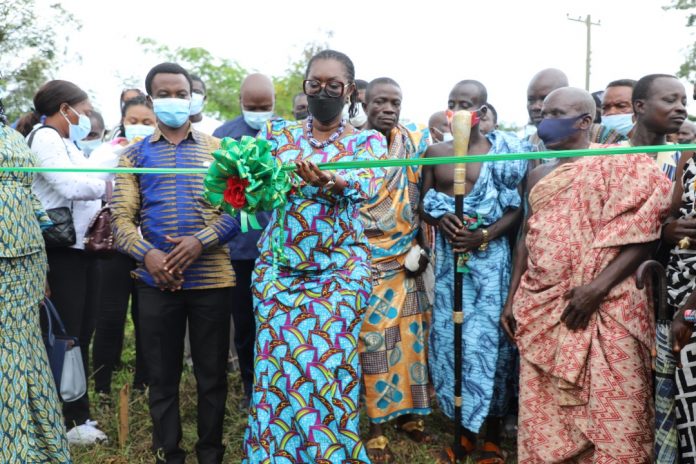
(350, 73)
(642, 87)
(96, 116)
(297, 95)
(493, 111)
(361, 84)
(124, 91)
(622, 83)
(197, 78)
(165, 68)
(483, 93)
(379, 81)
(137, 101)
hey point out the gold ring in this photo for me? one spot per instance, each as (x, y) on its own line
(684, 243)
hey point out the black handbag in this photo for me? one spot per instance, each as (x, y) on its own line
(62, 232)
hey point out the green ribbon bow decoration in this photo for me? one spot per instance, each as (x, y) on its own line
(247, 165)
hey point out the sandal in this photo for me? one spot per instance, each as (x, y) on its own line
(446, 456)
(378, 450)
(415, 430)
(491, 454)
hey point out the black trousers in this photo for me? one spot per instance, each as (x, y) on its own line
(163, 316)
(244, 321)
(117, 288)
(74, 280)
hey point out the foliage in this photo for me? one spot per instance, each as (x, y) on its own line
(222, 77)
(32, 45)
(687, 69)
(290, 84)
(137, 449)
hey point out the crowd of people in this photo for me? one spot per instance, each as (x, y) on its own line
(558, 341)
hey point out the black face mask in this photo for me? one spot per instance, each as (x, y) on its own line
(301, 115)
(324, 108)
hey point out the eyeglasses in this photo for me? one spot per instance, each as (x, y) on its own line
(334, 89)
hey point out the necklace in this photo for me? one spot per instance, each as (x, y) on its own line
(316, 143)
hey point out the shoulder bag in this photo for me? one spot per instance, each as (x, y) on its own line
(62, 232)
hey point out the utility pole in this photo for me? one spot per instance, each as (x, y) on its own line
(588, 23)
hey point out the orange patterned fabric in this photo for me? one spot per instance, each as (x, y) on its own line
(572, 383)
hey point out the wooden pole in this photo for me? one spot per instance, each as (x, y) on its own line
(123, 416)
(461, 131)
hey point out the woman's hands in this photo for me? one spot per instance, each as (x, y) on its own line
(310, 173)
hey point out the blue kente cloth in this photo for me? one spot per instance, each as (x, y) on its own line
(484, 290)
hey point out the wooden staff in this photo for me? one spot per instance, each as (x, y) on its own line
(461, 131)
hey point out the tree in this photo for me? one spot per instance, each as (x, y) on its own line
(222, 77)
(688, 68)
(290, 84)
(32, 46)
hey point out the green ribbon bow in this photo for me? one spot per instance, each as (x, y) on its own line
(251, 160)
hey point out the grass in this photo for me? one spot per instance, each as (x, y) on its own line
(137, 449)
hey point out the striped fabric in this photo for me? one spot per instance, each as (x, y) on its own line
(172, 205)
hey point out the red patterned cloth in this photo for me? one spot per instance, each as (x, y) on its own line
(587, 394)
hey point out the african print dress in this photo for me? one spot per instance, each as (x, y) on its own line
(681, 282)
(311, 287)
(485, 289)
(31, 424)
(393, 341)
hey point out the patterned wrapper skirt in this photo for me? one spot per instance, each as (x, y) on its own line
(31, 424)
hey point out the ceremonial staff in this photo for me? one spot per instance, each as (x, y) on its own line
(461, 131)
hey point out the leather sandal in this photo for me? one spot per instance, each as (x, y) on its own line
(491, 454)
(378, 450)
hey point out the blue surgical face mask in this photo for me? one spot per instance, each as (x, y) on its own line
(88, 146)
(197, 101)
(172, 112)
(256, 119)
(553, 130)
(138, 130)
(80, 130)
(621, 123)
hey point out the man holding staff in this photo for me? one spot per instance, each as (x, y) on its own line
(491, 207)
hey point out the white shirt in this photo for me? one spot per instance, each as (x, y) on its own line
(57, 189)
(206, 125)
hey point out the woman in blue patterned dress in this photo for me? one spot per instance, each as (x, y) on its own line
(31, 424)
(312, 283)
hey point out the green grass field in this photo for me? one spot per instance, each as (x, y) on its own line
(137, 449)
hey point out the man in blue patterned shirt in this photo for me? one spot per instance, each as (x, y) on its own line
(184, 272)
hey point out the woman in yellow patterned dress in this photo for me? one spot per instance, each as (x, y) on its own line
(31, 424)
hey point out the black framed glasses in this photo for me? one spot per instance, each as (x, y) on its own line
(333, 89)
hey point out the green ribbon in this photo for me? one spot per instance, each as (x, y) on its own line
(385, 163)
(251, 161)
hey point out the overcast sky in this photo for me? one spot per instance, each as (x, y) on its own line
(426, 48)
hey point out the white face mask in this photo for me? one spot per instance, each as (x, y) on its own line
(197, 102)
(447, 137)
(360, 117)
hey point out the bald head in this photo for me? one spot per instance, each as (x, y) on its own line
(576, 108)
(567, 102)
(542, 84)
(257, 93)
(438, 125)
